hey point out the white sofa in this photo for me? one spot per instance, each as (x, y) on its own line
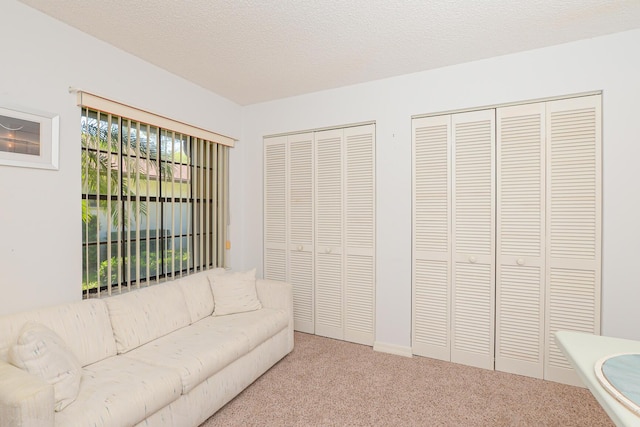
(158, 356)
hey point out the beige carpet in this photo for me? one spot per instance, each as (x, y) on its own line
(326, 382)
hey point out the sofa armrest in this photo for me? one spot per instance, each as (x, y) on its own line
(25, 400)
(278, 295)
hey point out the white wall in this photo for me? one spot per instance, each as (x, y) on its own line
(40, 223)
(610, 64)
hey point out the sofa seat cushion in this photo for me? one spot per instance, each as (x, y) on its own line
(120, 391)
(206, 347)
(256, 326)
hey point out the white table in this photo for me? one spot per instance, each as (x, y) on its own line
(583, 351)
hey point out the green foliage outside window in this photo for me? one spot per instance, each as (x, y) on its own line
(120, 163)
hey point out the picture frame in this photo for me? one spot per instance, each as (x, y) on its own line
(29, 138)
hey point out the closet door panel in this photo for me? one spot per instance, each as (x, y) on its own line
(300, 196)
(520, 239)
(359, 200)
(473, 318)
(431, 267)
(520, 327)
(328, 295)
(275, 208)
(473, 244)
(301, 279)
(573, 271)
(329, 229)
(359, 299)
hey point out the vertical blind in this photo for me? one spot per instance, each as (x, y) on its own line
(154, 203)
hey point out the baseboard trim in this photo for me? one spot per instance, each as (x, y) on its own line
(398, 350)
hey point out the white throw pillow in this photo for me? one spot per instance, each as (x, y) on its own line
(42, 352)
(234, 292)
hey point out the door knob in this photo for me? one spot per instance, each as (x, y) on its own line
(472, 259)
(520, 261)
(327, 251)
(300, 247)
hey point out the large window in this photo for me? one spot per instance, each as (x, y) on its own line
(154, 203)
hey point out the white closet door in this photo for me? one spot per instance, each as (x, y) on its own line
(359, 201)
(574, 225)
(329, 227)
(431, 237)
(300, 155)
(275, 208)
(473, 243)
(520, 240)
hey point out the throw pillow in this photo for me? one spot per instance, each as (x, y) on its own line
(42, 352)
(234, 292)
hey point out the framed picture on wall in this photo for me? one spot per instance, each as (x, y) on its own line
(28, 138)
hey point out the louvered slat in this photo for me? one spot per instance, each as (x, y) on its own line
(473, 232)
(571, 301)
(574, 232)
(519, 240)
(359, 197)
(301, 278)
(431, 237)
(431, 185)
(573, 173)
(474, 186)
(301, 189)
(519, 337)
(300, 227)
(275, 265)
(275, 208)
(329, 188)
(473, 321)
(359, 299)
(359, 200)
(329, 297)
(520, 182)
(431, 309)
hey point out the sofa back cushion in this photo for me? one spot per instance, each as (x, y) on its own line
(84, 326)
(197, 293)
(143, 315)
(235, 293)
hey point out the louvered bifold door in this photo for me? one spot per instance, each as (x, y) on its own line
(473, 238)
(359, 222)
(431, 267)
(329, 262)
(573, 225)
(300, 227)
(520, 240)
(275, 208)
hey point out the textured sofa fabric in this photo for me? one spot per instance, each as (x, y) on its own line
(151, 357)
(146, 314)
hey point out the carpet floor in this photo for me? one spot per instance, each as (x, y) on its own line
(326, 382)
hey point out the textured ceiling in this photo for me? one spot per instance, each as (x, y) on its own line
(251, 51)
